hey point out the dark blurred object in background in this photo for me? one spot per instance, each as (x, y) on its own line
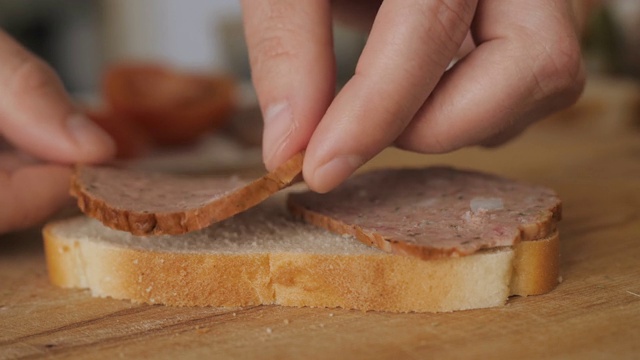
(66, 33)
(612, 39)
(78, 37)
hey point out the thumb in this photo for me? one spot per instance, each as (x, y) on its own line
(36, 114)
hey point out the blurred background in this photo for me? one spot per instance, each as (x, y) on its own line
(80, 38)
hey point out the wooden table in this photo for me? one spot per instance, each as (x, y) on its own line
(594, 312)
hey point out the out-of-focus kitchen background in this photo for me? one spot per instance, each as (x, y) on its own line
(80, 38)
(85, 39)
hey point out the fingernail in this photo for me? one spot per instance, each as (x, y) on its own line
(89, 135)
(278, 125)
(332, 173)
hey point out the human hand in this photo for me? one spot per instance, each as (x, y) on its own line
(526, 64)
(40, 131)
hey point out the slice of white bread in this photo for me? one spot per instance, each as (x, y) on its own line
(263, 256)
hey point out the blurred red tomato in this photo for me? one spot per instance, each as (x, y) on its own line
(131, 139)
(174, 108)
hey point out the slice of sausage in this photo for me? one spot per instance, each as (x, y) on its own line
(145, 203)
(432, 212)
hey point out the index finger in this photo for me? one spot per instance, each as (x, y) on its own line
(410, 46)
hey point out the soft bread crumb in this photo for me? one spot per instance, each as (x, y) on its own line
(268, 229)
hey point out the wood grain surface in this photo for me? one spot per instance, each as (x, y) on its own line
(593, 314)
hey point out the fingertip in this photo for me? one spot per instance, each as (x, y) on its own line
(37, 115)
(283, 135)
(279, 125)
(326, 176)
(280, 158)
(95, 144)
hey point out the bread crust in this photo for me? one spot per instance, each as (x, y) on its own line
(536, 266)
(144, 223)
(176, 279)
(377, 282)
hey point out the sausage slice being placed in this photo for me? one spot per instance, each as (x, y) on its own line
(144, 203)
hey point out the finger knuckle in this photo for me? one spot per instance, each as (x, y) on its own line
(559, 72)
(434, 143)
(451, 17)
(276, 40)
(270, 48)
(452, 13)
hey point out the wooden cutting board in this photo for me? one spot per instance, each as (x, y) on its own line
(594, 312)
